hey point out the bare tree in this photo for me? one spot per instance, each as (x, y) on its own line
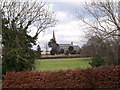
(103, 22)
(27, 14)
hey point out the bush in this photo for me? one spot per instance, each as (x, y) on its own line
(61, 51)
(97, 61)
(53, 52)
(101, 77)
(74, 52)
(70, 49)
(67, 52)
(66, 56)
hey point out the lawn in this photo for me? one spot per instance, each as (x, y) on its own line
(64, 63)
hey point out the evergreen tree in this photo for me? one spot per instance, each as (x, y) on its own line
(52, 41)
(70, 49)
(62, 51)
(97, 61)
(53, 52)
(17, 52)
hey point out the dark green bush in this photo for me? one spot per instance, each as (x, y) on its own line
(61, 51)
(74, 52)
(67, 52)
(97, 61)
(53, 52)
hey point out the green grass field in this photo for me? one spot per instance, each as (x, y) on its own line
(58, 64)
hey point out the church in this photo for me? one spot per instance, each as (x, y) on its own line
(65, 46)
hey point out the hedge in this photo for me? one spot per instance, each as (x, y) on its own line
(58, 57)
(101, 77)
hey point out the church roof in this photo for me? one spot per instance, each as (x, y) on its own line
(76, 47)
(66, 46)
(61, 45)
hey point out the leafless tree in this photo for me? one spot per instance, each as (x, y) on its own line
(103, 21)
(26, 14)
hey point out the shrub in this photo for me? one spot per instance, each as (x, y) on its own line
(97, 61)
(74, 52)
(66, 56)
(61, 51)
(53, 52)
(100, 77)
(67, 52)
(70, 48)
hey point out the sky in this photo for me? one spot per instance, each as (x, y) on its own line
(67, 29)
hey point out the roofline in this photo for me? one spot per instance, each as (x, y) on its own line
(64, 44)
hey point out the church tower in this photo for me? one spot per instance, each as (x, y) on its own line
(53, 36)
(71, 43)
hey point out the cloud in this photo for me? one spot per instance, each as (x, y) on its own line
(81, 0)
(61, 15)
(67, 0)
(49, 7)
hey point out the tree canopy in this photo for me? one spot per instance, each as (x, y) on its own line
(70, 49)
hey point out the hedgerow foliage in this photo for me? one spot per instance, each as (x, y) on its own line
(101, 77)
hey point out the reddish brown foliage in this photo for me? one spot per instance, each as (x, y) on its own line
(102, 77)
(64, 56)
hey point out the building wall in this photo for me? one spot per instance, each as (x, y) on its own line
(66, 46)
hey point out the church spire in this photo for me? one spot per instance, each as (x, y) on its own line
(53, 35)
(53, 39)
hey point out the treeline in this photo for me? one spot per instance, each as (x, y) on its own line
(108, 49)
